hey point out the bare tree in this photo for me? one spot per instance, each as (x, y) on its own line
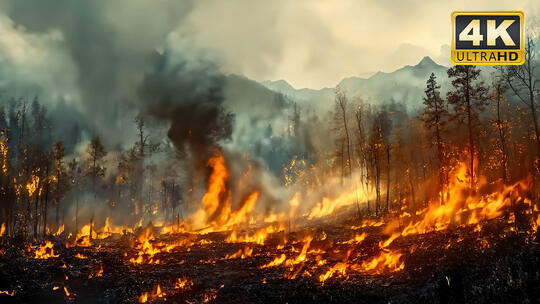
(342, 104)
(362, 152)
(379, 142)
(144, 146)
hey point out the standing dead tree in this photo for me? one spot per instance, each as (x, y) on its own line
(379, 142)
(342, 105)
(362, 151)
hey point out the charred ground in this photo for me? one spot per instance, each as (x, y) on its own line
(497, 263)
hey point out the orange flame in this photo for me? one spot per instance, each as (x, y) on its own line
(216, 213)
(183, 283)
(45, 251)
(241, 253)
(385, 262)
(156, 293)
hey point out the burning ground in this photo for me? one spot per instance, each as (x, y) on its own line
(480, 246)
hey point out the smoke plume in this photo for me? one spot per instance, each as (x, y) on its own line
(190, 95)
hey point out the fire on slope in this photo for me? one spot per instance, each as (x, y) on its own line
(372, 247)
(462, 207)
(148, 247)
(88, 232)
(216, 212)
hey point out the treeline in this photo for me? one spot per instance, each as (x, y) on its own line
(403, 158)
(406, 158)
(40, 186)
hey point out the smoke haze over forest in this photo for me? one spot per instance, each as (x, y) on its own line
(249, 147)
(95, 67)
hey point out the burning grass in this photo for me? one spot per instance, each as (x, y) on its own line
(220, 271)
(220, 252)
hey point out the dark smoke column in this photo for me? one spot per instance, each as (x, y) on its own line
(188, 93)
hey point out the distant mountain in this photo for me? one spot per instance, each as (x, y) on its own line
(405, 85)
(280, 86)
(302, 96)
(255, 107)
(263, 102)
(263, 111)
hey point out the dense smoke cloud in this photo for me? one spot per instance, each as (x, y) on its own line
(98, 52)
(94, 64)
(190, 95)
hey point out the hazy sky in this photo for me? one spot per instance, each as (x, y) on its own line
(66, 47)
(317, 43)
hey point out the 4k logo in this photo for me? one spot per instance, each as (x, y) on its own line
(486, 38)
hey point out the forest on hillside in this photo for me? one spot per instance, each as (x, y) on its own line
(392, 157)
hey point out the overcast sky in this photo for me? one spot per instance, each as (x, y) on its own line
(317, 43)
(308, 43)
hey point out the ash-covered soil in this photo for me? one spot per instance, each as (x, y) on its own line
(495, 264)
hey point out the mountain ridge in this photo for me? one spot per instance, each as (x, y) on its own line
(405, 84)
(283, 86)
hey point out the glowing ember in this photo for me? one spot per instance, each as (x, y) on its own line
(9, 293)
(80, 256)
(183, 283)
(97, 274)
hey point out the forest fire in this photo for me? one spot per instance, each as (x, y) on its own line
(150, 167)
(373, 246)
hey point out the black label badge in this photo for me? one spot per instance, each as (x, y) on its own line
(487, 38)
